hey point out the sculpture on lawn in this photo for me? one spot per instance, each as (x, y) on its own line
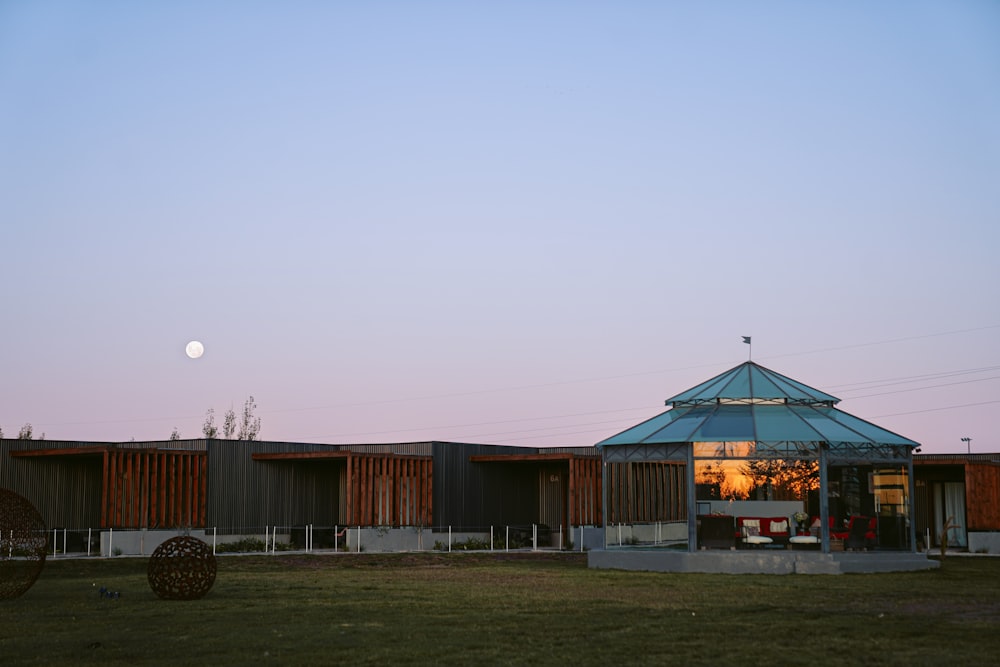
(22, 544)
(182, 568)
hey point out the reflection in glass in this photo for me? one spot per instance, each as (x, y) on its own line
(755, 479)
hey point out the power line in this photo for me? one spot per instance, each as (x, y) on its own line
(585, 414)
(908, 379)
(873, 383)
(933, 386)
(605, 378)
(947, 407)
(489, 423)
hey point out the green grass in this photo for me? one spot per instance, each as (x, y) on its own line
(466, 608)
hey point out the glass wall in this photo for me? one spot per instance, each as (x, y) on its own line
(737, 483)
(869, 507)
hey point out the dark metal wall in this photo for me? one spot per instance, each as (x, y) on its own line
(475, 496)
(66, 491)
(244, 495)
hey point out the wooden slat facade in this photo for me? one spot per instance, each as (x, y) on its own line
(585, 491)
(980, 473)
(646, 492)
(982, 493)
(153, 489)
(389, 490)
(242, 487)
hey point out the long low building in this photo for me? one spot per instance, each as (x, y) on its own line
(242, 487)
(747, 460)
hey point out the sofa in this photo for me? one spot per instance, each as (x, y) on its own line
(763, 531)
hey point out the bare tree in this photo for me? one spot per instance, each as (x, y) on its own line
(25, 433)
(209, 429)
(175, 434)
(229, 424)
(249, 424)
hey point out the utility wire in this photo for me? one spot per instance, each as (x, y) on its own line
(593, 379)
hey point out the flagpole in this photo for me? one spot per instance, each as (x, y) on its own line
(746, 339)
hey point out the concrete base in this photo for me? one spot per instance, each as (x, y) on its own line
(140, 542)
(984, 543)
(759, 562)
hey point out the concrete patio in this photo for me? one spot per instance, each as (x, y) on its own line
(759, 561)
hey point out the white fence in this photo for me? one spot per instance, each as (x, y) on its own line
(106, 543)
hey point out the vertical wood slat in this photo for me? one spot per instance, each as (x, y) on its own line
(104, 489)
(136, 500)
(189, 489)
(154, 471)
(203, 488)
(161, 508)
(348, 509)
(575, 496)
(429, 502)
(119, 487)
(599, 483)
(393, 480)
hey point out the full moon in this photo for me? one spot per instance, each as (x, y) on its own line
(194, 349)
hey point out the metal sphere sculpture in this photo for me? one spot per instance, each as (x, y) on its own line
(182, 568)
(22, 544)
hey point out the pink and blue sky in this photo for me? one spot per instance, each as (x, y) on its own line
(522, 223)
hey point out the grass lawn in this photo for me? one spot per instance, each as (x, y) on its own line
(526, 608)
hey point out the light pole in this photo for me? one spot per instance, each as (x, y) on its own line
(968, 444)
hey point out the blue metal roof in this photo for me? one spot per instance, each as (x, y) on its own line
(752, 403)
(751, 382)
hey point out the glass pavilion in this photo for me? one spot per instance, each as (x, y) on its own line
(753, 442)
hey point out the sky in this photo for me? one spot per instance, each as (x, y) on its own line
(522, 223)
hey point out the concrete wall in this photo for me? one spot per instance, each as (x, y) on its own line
(646, 533)
(141, 542)
(785, 508)
(757, 562)
(984, 543)
(372, 540)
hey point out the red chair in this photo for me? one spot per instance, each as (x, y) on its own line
(860, 533)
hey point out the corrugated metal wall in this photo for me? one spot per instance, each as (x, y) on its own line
(220, 485)
(66, 490)
(475, 496)
(245, 495)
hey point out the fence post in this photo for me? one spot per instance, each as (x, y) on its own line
(534, 537)
(55, 537)
(359, 539)
(111, 539)
(88, 540)
(449, 539)
(507, 542)
(491, 538)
